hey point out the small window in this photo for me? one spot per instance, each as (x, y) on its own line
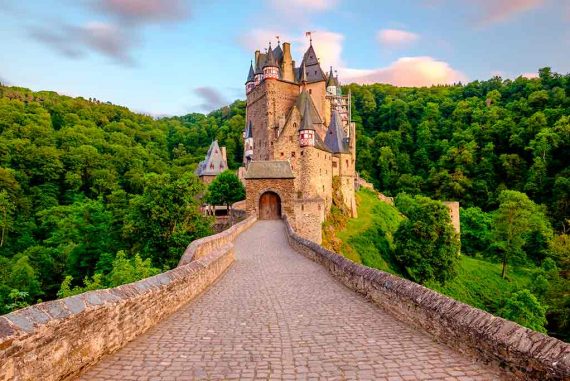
(299, 194)
(310, 91)
(293, 154)
(282, 154)
(302, 207)
(291, 139)
(301, 153)
(334, 164)
(347, 163)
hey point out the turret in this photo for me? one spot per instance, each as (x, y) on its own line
(248, 143)
(332, 83)
(250, 82)
(306, 129)
(270, 68)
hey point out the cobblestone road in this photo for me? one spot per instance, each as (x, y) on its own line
(277, 315)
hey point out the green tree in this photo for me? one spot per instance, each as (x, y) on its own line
(165, 218)
(127, 270)
(225, 189)
(516, 217)
(7, 207)
(524, 308)
(476, 231)
(427, 246)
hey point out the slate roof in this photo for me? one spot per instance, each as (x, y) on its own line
(278, 53)
(313, 70)
(306, 120)
(270, 59)
(251, 73)
(335, 139)
(275, 169)
(304, 98)
(332, 80)
(214, 162)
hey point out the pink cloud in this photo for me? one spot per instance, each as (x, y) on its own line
(396, 37)
(304, 5)
(407, 71)
(530, 75)
(494, 11)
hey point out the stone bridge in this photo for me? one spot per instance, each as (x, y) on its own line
(282, 310)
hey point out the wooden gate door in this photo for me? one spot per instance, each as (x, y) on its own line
(269, 206)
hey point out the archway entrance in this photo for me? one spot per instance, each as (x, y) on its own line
(269, 206)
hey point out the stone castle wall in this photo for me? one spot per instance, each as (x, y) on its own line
(256, 187)
(526, 354)
(56, 340)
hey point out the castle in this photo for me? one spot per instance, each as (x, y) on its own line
(298, 141)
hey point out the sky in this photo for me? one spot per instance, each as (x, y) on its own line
(173, 57)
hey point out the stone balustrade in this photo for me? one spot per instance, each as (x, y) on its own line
(526, 354)
(56, 340)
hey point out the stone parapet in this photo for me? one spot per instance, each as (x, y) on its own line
(204, 246)
(58, 339)
(523, 353)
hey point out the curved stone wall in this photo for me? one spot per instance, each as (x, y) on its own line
(55, 340)
(526, 354)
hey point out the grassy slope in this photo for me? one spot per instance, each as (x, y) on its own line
(368, 240)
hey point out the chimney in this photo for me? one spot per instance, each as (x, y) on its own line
(256, 59)
(287, 72)
(224, 155)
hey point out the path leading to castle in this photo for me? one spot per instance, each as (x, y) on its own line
(277, 315)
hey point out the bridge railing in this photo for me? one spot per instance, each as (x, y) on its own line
(58, 339)
(526, 354)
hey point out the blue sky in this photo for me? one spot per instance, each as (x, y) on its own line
(172, 57)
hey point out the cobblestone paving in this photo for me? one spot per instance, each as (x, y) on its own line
(277, 315)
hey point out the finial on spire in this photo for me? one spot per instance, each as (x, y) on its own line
(278, 42)
(310, 34)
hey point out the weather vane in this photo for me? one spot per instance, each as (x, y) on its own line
(310, 34)
(278, 42)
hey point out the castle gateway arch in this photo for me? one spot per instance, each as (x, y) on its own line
(269, 206)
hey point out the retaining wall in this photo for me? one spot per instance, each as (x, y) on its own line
(526, 354)
(56, 340)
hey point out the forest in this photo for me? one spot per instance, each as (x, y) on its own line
(93, 195)
(502, 149)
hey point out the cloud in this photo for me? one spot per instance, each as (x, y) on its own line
(396, 37)
(529, 75)
(496, 11)
(407, 72)
(74, 42)
(212, 99)
(303, 5)
(143, 11)
(328, 45)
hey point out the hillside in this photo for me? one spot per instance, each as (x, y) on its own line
(86, 185)
(368, 239)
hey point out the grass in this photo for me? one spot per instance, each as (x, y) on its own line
(368, 240)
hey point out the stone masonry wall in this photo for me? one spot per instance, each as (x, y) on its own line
(56, 340)
(256, 187)
(526, 354)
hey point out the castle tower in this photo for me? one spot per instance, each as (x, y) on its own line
(332, 84)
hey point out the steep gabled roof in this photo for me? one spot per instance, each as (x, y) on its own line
(306, 119)
(313, 70)
(214, 163)
(270, 59)
(260, 62)
(303, 98)
(278, 53)
(335, 139)
(331, 80)
(251, 73)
